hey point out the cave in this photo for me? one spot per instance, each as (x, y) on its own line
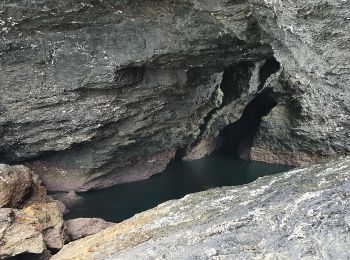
(235, 81)
(237, 138)
(269, 67)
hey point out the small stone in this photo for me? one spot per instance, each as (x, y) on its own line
(82, 227)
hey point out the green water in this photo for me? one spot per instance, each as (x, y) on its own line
(122, 201)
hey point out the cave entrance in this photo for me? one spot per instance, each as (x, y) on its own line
(238, 81)
(271, 66)
(237, 138)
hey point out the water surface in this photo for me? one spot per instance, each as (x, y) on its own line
(122, 201)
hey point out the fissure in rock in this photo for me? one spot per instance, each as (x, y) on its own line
(237, 138)
(270, 67)
(234, 82)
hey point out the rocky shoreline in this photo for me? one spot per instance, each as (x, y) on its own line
(299, 214)
(31, 222)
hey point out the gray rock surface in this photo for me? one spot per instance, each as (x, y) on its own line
(95, 93)
(311, 41)
(300, 214)
(81, 227)
(113, 87)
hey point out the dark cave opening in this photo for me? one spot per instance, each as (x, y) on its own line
(236, 139)
(270, 67)
(235, 81)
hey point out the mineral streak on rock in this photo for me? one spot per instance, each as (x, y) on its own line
(296, 215)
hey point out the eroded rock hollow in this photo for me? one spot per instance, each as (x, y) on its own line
(95, 93)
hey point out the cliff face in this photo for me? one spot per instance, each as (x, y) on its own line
(297, 215)
(95, 93)
(311, 41)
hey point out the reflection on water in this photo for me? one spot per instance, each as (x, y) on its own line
(180, 178)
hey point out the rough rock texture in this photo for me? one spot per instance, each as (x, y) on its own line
(82, 227)
(15, 184)
(95, 93)
(31, 230)
(34, 222)
(94, 87)
(311, 40)
(301, 214)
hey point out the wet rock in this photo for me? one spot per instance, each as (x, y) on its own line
(299, 214)
(82, 227)
(69, 199)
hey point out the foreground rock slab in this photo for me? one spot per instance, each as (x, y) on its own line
(300, 214)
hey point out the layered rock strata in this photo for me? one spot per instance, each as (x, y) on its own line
(312, 119)
(95, 93)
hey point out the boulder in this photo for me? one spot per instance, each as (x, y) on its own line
(18, 234)
(300, 214)
(69, 199)
(30, 221)
(82, 227)
(31, 229)
(15, 184)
